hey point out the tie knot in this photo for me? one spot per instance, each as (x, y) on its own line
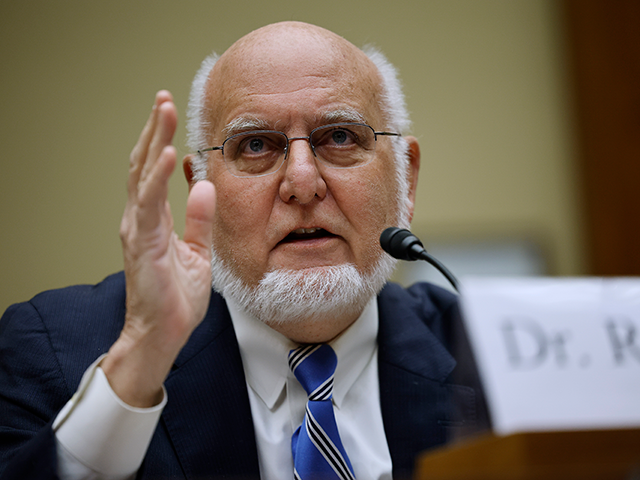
(314, 366)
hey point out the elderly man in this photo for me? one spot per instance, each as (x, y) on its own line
(299, 167)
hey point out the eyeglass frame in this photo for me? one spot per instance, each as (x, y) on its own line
(289, 140)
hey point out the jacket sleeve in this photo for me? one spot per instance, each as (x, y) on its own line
(32, 390)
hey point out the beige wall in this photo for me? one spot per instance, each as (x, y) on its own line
(485, 82)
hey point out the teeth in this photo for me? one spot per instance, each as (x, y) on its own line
(301, 231)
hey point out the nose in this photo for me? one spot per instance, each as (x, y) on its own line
(302, 180)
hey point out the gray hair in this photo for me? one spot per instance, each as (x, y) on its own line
(392, 103)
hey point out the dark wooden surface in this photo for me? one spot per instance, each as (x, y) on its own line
(567, 455)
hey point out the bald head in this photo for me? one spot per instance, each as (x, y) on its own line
(283, 58)
(294, 37)
(287, 43)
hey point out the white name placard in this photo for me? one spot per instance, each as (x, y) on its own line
(556, 353)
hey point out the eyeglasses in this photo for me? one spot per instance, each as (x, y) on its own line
(262, 152)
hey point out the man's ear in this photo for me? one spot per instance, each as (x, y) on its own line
(413, 169)
(187, 168)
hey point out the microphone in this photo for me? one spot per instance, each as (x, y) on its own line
(404, 245)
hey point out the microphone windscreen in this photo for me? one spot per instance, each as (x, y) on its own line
(397, 242)
(385, 237)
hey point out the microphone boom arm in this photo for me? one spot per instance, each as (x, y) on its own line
(427, 257)
(404, 245)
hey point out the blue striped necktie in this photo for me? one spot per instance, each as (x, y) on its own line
(318, 453)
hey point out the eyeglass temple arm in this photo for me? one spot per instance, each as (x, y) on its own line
(209, 149)
(388, 133)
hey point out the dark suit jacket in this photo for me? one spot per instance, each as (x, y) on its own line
(206, 430)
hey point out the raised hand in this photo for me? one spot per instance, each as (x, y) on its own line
(168, 279)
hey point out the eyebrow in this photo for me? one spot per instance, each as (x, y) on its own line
(342, 115)
(245, 124)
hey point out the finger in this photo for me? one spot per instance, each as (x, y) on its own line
(162, 136)
(199, 218)
(153, 193)
(139, 152)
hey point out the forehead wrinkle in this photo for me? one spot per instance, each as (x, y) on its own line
(273, 86)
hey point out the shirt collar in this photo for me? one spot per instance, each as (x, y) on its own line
(264, 352)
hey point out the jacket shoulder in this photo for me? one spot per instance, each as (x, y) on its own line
(67, 328)
(82, 298)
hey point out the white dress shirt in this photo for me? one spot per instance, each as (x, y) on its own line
(278, 400)
(277, 406)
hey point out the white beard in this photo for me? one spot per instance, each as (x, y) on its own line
(291, 296)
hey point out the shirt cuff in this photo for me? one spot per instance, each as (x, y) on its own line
(101, 431)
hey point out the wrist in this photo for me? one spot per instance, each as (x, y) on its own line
(136, 369)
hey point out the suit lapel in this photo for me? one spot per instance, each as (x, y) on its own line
(208, 417)
(413, 366)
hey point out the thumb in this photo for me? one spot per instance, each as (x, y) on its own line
(199, 217)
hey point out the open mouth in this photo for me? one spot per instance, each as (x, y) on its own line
(307, 234)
